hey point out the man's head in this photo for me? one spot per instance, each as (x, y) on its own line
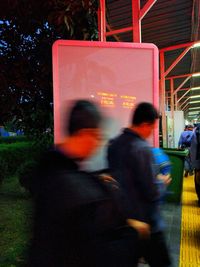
(83, 115)
(190, 127)
(83, 128)
(144, 119)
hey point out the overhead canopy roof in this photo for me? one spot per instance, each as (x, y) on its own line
(167, 23)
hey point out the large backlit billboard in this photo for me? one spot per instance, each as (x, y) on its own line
(116, 75)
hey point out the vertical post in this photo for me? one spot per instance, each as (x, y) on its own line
(167, 99)
(102, 21)
(172, 108)
(162, 94)
(176, 102)
(136, 21)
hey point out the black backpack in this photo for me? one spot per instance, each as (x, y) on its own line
(187, 141)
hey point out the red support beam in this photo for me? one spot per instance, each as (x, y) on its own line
(114, 35)
(183, 108)
(184, 102)
(176, 61)
(179, 87)
(137, 16)
(174, 47)
(146, 8)
(183, 95)
(182, 75)
(184, 89)
(112, 32)
(178, 76)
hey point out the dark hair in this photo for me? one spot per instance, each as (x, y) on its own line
(190, 126)
(144, 112)
(84, 114)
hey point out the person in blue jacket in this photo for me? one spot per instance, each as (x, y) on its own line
(185, 142)
(195, 157)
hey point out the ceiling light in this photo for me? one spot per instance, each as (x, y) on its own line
(196, 45)
(191, 116)
(193, 102)
(194, 96)
(193, 112)
(196, 74)
(195, 88)
(194, 108)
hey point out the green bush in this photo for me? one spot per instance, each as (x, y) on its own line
(13, 139)
(12, 156)
(27, 170)
(26, 173)
(19, 158)
(16, 215)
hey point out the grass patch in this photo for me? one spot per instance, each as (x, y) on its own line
(15, 223)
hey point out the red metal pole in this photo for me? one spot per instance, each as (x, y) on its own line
(172, 108)
(137, 16)
(162, 94)
(99, 23)
(172, 93)
(176, 103)
(136, 21)
(102, 21)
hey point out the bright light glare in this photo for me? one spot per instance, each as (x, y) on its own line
(193, 102)
(195, 88)
(196, 74)
(195, 96)
(196, 45)
(193, 112)
(194, 108)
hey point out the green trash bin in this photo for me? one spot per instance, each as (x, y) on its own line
(177, 157)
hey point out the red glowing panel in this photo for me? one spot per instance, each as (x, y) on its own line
(116, 75)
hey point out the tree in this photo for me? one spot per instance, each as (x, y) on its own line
(28, 30)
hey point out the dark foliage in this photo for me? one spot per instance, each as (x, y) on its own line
(28, 29)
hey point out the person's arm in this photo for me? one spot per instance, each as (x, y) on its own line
(142, 163)
(164, 178)
(142, 228)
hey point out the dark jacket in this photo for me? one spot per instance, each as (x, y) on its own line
(195, 148)
(75, 216)
(131, 163)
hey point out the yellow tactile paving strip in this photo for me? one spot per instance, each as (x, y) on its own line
(190, 226)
